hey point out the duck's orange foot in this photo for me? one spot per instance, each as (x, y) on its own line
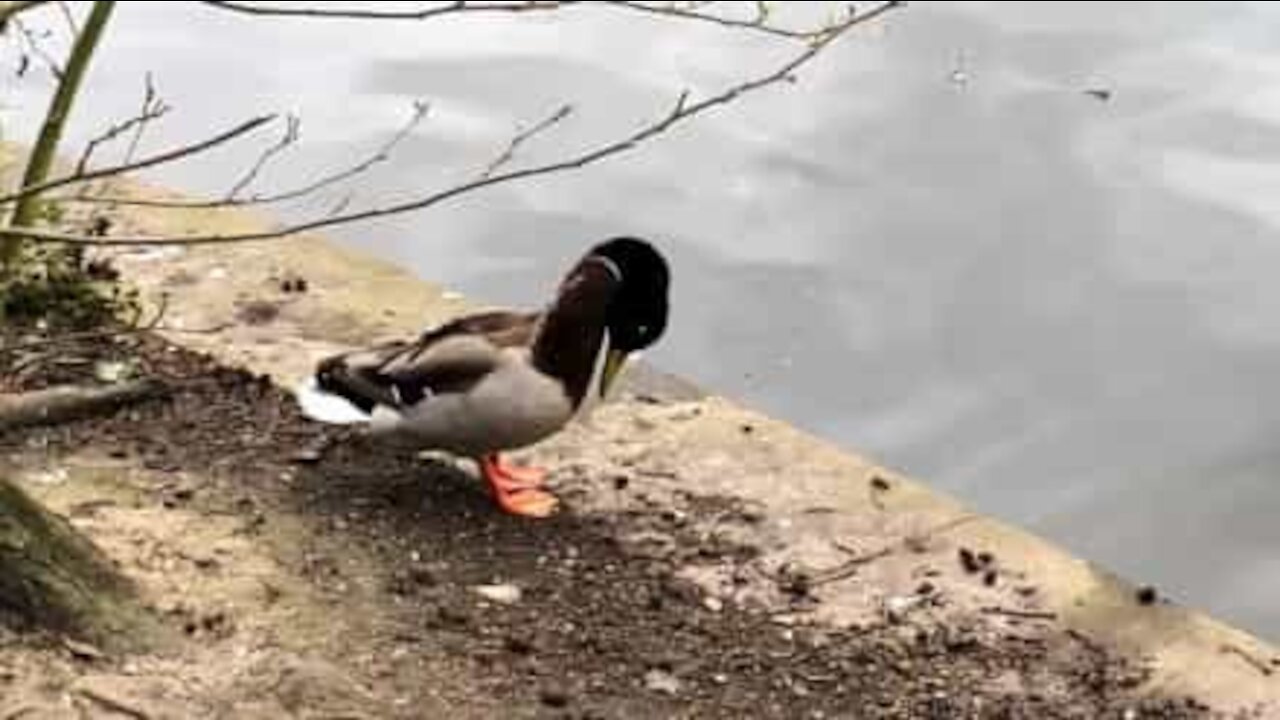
(518, 490)
(518, 477)
(529, 502)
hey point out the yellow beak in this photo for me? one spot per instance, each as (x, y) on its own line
(613, 362)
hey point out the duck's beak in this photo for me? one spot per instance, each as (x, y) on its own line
(613, 362)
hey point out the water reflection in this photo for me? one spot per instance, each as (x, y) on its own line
(1058, 307)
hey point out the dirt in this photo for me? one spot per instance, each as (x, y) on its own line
(316, 579)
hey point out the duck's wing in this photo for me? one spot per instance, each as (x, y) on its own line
(503, 328)
(451, 358)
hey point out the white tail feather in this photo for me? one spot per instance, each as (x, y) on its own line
(325, 407)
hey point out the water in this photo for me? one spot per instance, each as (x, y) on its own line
(938, 249)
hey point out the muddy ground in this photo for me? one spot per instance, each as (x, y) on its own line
(314, 579)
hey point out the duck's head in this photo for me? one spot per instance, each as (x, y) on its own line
(636, 316)
(615, 299)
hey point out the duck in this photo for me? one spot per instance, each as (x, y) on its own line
(494, 381)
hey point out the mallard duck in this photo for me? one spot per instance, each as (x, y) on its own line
(495, 381)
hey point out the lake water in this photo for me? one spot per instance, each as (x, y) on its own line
(937, 249)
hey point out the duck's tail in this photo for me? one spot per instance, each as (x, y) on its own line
(344, 391)
(321, 405)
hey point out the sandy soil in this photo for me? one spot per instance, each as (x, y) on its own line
(315, 579)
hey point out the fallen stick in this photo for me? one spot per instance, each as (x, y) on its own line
(1020, 614)
(74, 402)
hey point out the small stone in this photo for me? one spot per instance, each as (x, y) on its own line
(520, 646)
(1147, 595)
(662, 681)
(714, 604)
(112, 372)
(82, 650)
(969, 561)
(720, 679)
(505, 594)
(897, 607)
(306, 456)
(679, 518)
(879, 484)
(424, 576)
(990, 577)
(554, 698)
(621, 482)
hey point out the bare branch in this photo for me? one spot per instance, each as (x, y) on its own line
(149, 96)
(62, 403)
(381, 155)
(341, 206)
(290, 136)
(424, 13)
(509, 153)
(158, 159)
(759, 23)
(680, 112)
(10, 10)
(152, 109)
(690, 11)
(73, 28)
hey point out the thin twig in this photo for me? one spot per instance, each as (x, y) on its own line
(150, 111)
(759, 23)
(210, 330)
(290, 136)
(1020, 614)
(157, 159)
(381, 155)
(73, 28)
(849, 568)
(149, 96)
(35, 48)
(1254, 662)
(681, 112)
(509, 153)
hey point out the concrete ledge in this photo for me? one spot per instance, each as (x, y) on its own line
(818, 504)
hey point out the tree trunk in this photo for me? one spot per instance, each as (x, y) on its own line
(46, 147)
(54, 578)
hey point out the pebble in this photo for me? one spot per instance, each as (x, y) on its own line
(554, 698)
(506, 594)
(662, 681)
(308, 456)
